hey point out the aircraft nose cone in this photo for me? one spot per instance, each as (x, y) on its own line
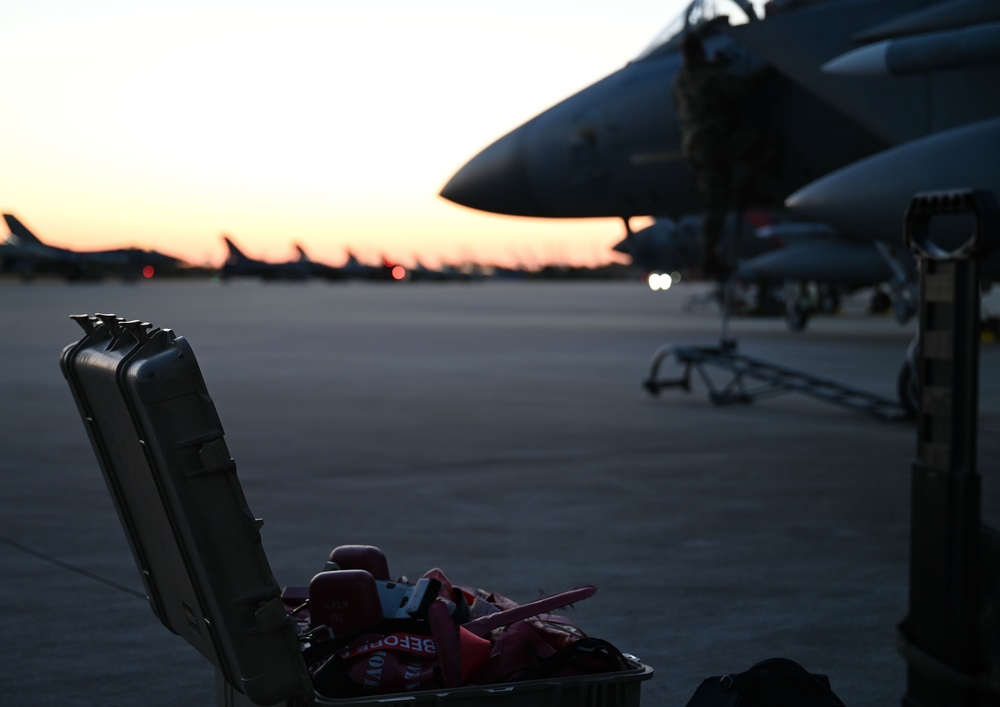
(626, 246)
(496, 180)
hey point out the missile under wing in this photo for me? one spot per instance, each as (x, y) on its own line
(867, 199)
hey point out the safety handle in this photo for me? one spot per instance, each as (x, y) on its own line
(925, 205)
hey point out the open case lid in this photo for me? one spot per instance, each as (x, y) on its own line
(197, 545)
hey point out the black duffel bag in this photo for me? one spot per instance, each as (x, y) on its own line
(776, 682)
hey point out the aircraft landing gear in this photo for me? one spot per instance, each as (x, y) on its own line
(881, 302)
(803, 299)
(796, 316)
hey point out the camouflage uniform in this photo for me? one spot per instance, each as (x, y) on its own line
(707, 98)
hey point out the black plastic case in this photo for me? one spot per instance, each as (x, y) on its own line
(196, 543)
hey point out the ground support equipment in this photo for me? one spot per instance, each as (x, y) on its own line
(751, 379)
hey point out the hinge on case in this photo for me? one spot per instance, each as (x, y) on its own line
(138, 329)
(112, 322)
(86, 322)
(214, 456)
(270, 615)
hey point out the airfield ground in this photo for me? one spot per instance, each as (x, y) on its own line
(498, 431)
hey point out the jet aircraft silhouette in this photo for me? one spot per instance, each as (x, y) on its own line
(23, 253)
(352, 269)
(316, 269)
(913, 108)
(387, 270)
(238, 264)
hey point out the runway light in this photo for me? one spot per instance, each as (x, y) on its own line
(398, 272)
(660, 282)
(148, 272)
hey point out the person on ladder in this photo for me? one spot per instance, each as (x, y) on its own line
(708, 97)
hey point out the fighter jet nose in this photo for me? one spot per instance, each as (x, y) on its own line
(496, 180)
(624, 246)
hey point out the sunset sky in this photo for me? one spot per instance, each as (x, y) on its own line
(164, 125)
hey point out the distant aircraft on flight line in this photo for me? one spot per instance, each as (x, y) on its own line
(874, 100)
(24, 254)
(238, 264)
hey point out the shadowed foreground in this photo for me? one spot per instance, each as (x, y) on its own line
(500, 432)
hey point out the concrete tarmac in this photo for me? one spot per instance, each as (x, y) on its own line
(498, 431)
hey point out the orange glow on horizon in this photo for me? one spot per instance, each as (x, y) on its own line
(436, 234)
(182, 131)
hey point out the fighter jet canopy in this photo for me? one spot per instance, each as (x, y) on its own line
(697, 14)
(700, 13)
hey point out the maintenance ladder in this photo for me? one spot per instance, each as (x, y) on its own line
(752, 378)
